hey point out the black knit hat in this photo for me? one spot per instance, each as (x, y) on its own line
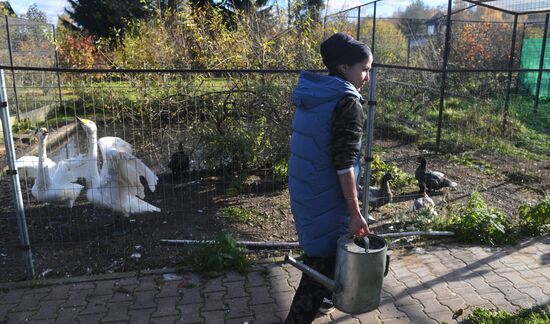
(341, 48)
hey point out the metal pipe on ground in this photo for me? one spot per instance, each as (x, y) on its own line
(290, 245)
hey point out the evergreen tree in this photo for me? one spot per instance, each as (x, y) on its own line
(308, 9)
(103, 18)
(245, 5)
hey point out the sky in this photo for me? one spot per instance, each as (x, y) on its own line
(53, 8)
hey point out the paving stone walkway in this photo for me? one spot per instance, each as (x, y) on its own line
(424, 285)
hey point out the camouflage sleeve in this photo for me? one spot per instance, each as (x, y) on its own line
(347, 128)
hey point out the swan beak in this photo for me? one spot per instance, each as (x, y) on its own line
(41, 130)
(417, 159)
(83, 121)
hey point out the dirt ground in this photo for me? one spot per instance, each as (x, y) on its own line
(89, 240)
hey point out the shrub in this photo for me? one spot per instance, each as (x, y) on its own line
(75, 49)
(248, 126)
(401, 179)
(23, 126)
(535, 220)
(145, 44)
(425, 219)
(477, 222)
(201, 38)
(221, 255)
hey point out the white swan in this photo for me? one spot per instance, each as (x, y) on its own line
(53, 181)
(117, 186)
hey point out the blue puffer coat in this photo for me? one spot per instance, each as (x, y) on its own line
(316, 199)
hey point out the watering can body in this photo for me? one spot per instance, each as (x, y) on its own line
(359, 272)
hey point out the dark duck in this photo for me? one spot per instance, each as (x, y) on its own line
(429, 180)
(179, 163)
(379, 197)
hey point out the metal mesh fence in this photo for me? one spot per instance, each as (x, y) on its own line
(28, 43)
(217, 142)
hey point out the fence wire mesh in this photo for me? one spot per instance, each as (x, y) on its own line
(218, 141)
(28, 43)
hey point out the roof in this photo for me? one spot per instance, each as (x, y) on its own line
(515, 7)
(435, 18)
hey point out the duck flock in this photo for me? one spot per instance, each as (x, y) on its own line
(117, 185)
(429, 181)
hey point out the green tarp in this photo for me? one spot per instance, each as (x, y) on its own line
(530, 59)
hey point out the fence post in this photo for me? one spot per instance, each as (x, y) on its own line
(510, 66)
(12, 71)
(444, 74)
(324, 26)
(289, 13)
(57, 66)
(520, 54)
(14, 178)
(369, 132)
(541, 64)
(374, 28)
(358, 23)
(408, 49)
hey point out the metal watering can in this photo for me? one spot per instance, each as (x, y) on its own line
(361, 265)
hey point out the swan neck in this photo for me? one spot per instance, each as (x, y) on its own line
(42, 175)
(92, 151)
(42, 150)
(92, 145)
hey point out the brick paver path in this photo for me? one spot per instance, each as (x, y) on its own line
(424, 285)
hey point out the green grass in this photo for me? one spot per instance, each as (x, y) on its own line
(472, 126)
(535, 315)
(241, 215)
(472, 162)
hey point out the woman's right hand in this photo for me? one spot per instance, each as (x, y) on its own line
(358, 226)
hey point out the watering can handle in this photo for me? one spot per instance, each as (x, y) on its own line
(387, 265)
(367, 243)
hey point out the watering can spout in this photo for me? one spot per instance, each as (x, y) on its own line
(330, 284)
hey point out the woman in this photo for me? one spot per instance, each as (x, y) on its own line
(324, 165)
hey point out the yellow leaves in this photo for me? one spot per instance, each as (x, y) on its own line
(204, 39)
(391, 44)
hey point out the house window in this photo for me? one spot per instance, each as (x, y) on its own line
(431, 29)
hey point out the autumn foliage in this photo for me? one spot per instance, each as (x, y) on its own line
(75, 50)
(484, 42)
